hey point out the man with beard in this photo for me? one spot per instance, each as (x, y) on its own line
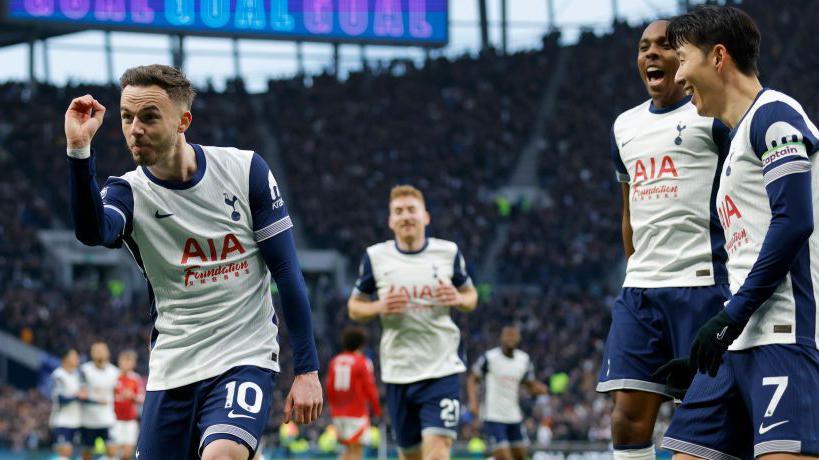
(207, 227)
(667, 159)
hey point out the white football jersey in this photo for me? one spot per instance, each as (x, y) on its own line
(65, 384)
(196, 245)
(670, 157)
(774, 139)
(424, 342)
(502, 376)
(100, 384)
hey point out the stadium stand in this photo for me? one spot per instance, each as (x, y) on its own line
(452, 127)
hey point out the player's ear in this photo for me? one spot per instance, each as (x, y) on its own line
(184, 122)
(719, 55)
(427, 218)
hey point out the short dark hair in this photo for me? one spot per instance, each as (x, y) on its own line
(353, 338)
(171, 79)
(706, 26)
(67, 351)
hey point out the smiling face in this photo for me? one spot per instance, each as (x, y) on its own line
(408, 218)
(151, 123)
(700, 77)
(657, 63)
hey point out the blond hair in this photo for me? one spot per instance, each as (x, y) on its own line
(406, 190)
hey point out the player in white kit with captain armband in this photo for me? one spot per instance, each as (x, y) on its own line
(757, 360)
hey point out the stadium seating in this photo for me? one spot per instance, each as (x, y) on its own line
(452, 127)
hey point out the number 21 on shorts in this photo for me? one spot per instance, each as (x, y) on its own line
(450, 412)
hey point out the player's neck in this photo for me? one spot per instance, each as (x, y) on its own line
(411, 244)
(508, 352)
(100, 365)
(740, 94)
(179, 166)
(662, 101)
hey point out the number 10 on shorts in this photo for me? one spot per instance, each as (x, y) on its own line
(241, 396)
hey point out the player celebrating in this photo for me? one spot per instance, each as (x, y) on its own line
(504, 369)
(99, 379)
(207, 226)
(759, 397)
(350, 388)
(129, 394)
(66, 411)
(667, 158)
(411, 283)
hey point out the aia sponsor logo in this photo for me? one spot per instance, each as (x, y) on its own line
(654, 168)
(193, 249)
(208, 251)
(729, 214)
(422, 297)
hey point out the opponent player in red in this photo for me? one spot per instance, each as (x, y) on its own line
(350, 389)
(128, 395)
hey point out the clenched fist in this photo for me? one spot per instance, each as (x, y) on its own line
(82, 120)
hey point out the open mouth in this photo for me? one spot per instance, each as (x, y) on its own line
(654, 74)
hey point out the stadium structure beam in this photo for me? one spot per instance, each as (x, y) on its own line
(178, 51)
(550, 9)
(336, 59)
(504, 25)
(46, 61)
(484, 24)
(300, 58)
(109, 57)
(32, 79)
(615, 11)
(237, 70)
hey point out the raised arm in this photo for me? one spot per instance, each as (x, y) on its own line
(96, 221)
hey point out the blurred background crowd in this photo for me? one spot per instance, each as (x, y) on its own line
(455, 128)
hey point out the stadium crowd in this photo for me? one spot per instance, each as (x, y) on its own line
(451, 127)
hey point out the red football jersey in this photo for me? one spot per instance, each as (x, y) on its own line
(351, 386)
(129, 393)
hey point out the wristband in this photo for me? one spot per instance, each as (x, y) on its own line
(80, 153)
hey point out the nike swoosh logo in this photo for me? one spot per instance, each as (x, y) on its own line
(626, 142)
(764, 429)
(161, 216)
(722, 333)
(231, 414)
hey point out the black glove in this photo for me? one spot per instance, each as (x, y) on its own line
(677, 374)
(713, 338)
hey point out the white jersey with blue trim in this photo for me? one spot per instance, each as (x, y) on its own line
(66, 410)
(670, 159)
(196, 244)
(100, 383)
(502, 376)
(423, 342)
(774, 140)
